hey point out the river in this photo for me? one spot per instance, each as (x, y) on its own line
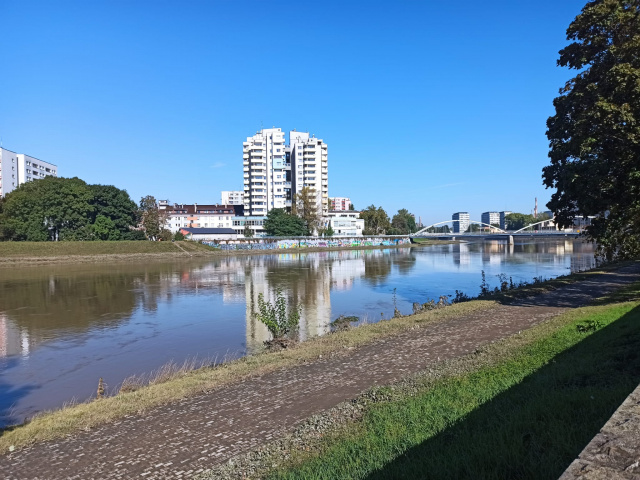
(64, 326)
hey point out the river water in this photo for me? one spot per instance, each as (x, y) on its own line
(64, 326)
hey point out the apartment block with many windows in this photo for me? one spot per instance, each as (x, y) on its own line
(265, 172)
(308, 157)
(340, 203)
(490, 218)
(232, 197)
(18, 168)
(462, 223)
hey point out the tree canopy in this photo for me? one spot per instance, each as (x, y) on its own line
(594, 136)
(59, 208)
(376, 220)
(279, 223)
(403, 223)
(516, 221)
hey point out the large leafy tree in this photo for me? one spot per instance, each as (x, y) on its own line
(403, 223)
(52, 208)
(376, 220)
(594, 135)
(114, 204)
(279, 223)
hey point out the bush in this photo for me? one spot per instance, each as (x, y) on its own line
(134, 235)
(279, 322)
(178, 236)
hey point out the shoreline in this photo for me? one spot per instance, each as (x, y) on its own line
(49, 425)
(23, 260)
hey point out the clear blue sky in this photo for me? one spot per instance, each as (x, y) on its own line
(433, 106)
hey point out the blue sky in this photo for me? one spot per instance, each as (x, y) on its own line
(432, 106)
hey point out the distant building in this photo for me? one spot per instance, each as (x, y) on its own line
(340, 203)
(265, 173)
(256, 223)
(209, 233)
(490, 218)
(463, 222)
(197, 216)
(503, 219)
(232, 197)
(345, 223)
(18, 168)
(307, 157)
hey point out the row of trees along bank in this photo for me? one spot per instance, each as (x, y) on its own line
(304, 220)
(58, 208)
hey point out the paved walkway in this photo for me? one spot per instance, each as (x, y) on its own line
(178, 440)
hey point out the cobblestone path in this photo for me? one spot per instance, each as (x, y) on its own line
(181, 439)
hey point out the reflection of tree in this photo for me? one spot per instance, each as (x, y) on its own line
(68, 302)
(379, 263)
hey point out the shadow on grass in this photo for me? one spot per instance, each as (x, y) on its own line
(538, 427)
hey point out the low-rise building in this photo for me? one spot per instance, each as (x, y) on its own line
(345, 223)
(255, 222)
(209, 234)
(197, 216)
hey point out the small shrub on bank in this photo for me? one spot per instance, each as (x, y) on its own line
(281, 321)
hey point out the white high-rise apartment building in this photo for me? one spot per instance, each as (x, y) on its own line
(232, 197)
(309, 167)
(463, 222)
(265, 173)
(18, 168)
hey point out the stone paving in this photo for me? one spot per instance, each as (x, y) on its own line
(190, 436)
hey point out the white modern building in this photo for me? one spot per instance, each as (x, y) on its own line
(232, 197)
(197, 216)
(462, 223)
(490, 218)
(345, 223)
(18, 168)
(308, 158)
(340, 203)
(265, 174)
(256, 223)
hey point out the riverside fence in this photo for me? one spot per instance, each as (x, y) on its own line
(273, 243)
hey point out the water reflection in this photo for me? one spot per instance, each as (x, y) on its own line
(62, 327)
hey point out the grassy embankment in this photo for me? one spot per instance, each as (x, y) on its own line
(12, 253)
(521, 408)
(58, 249)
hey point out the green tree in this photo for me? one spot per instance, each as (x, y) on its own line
(248, 231)
(403, 223)
(114, 204)
(52, 208)
(152, 218)
(516, 221)
(279, 223)
(305, 206)
(376, 220)
(105, 229)
(595, 132)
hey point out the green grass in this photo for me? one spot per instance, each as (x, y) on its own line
(60, 249)
(526, 415)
